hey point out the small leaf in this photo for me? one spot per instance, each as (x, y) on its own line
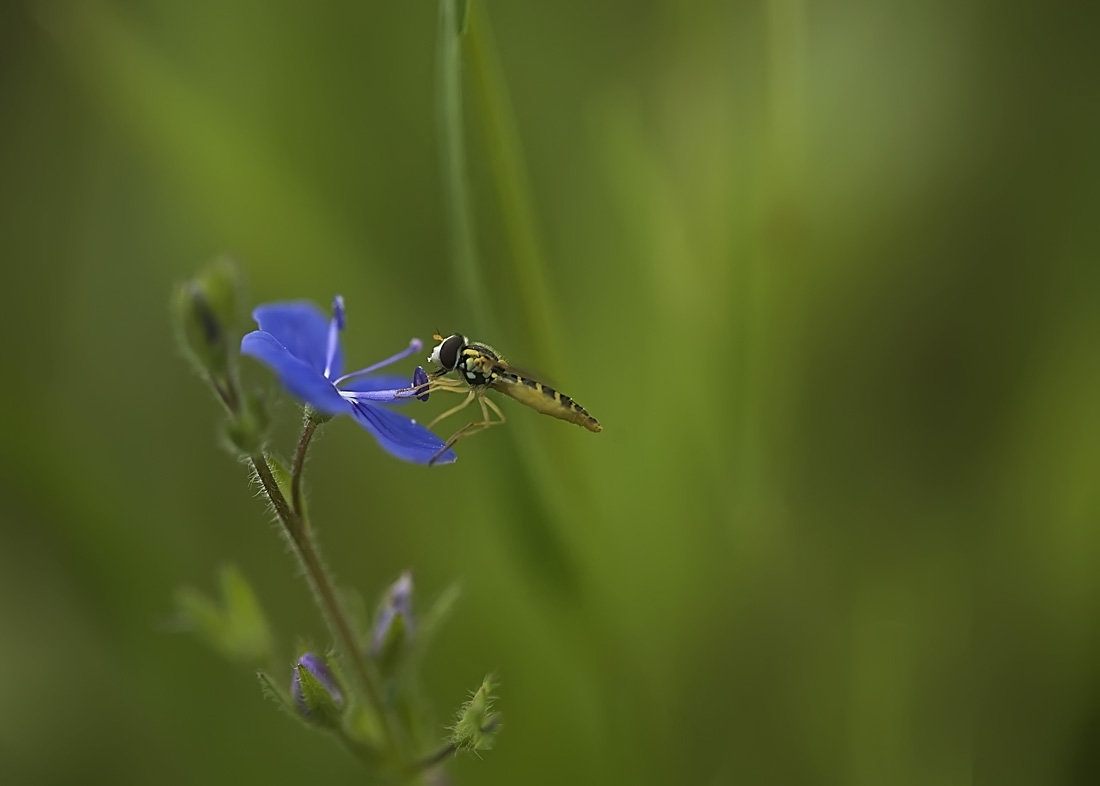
(275, 693)
(245, 615)
(201, 615)
(234, 625)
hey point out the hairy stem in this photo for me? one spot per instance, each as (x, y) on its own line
(308, 428)
(278, 501)
(364, 679)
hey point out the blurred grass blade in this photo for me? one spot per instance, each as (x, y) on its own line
(202, 147)
(536, 534)
(467, 271)
(504, 151)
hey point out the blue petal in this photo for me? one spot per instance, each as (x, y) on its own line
(302, 329)
(297, 376)
(400, 436)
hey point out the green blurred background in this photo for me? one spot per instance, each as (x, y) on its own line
(827, 275)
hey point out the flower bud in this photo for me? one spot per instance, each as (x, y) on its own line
(476, 726)
(205, 310)
(316, 692)
(393, 623)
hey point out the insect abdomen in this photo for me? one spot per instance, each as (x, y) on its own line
(545, 399)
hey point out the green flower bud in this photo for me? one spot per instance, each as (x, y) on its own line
(393, 624)
(477, 724)
(205, 310)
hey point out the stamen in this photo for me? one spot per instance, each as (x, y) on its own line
(359, 396)
(334, 328)
(414, 346)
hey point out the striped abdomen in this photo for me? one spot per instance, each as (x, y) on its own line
(543, 399)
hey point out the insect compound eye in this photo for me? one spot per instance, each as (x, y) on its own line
(448, 351)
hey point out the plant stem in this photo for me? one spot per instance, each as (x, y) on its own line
(308, 428)
(271, 487)
(298, 533)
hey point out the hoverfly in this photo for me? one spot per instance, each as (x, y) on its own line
(480, 368)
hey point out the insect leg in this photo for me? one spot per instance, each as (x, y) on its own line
(485, 400)
(474, 426)
(431, 386)
(452, 410)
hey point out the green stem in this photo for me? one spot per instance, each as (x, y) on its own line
(278, 501)
(308, 427)
(298, 532)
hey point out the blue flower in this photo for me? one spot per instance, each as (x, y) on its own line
(303, 348)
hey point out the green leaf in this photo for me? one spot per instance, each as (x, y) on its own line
(272, 691)
(234, 625)
(244, 614)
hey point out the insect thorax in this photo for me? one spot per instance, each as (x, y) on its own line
(476, 364)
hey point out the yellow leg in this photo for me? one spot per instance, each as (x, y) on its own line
(492, 405)
(472, 427)
(437, 384)
(469, 397)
